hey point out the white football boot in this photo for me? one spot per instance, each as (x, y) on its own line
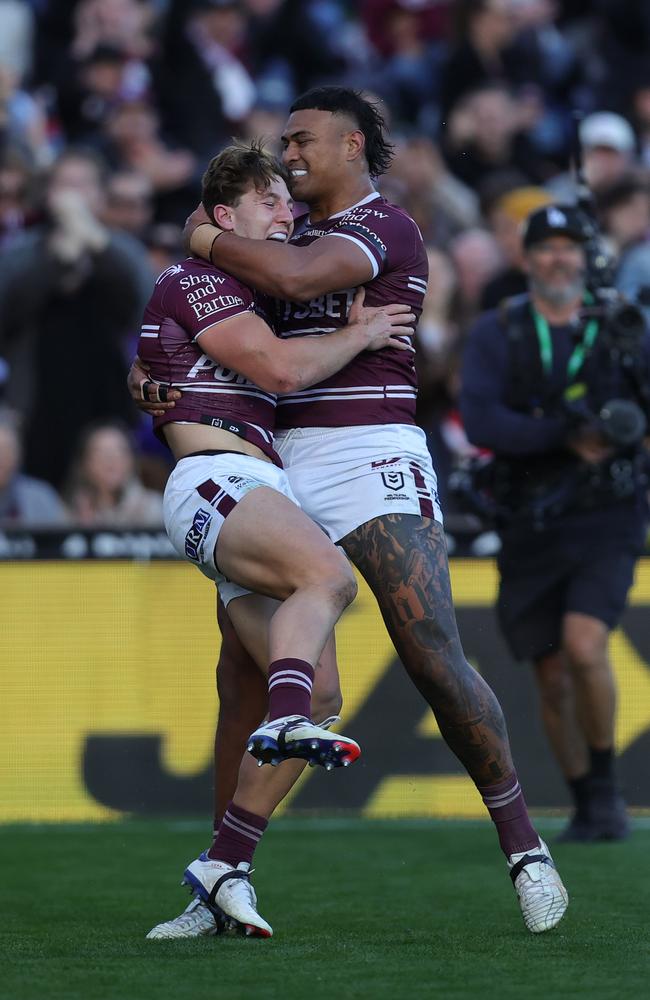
(221, 885)
(196, 920)
(294, 736)
(542, 896)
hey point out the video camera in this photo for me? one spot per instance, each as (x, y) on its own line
(622, 422)
(623, 321)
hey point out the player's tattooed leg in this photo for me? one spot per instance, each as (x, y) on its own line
(403, 558)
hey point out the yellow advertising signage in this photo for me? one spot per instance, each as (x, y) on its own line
(108, 701)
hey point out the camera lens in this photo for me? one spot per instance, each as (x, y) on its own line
(623, 422)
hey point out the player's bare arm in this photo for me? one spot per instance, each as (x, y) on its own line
(286, 272)
(247, 345)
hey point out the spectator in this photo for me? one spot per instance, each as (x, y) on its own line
(105, 78)
(484, 52)
(625, 214)
(506, 217)
(433, 20)
(71, 291)
(16, 36)
(22, 122)
(164, 242)
(24, 502)
(129, 204)
(640, 109)
(134, 142)
(298, 42)
(420, 182)
(200, 46)
(104, 488)
(15, 183)
(265, 120)
(486, 135)
(408, 77)
(122, 24)
(475, 255)
(608, 145)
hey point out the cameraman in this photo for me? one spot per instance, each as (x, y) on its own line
(569, 486)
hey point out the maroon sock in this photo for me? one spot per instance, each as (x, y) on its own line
(238, 836)
(506, 806)
(290, 683)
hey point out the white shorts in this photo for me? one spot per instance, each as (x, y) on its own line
(200, 493)
(345, 476)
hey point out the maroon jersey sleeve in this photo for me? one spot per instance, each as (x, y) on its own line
(387, 235)
(197, 301)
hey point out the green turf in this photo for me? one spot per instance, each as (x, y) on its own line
(359, 909)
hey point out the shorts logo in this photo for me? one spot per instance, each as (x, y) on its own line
(195, 536)
(393, 480)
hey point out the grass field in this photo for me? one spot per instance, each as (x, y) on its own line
(359, 909)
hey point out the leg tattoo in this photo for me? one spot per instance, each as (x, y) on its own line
(403, 558)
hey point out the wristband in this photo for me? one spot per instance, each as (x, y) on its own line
(202, 239)
(219, 233)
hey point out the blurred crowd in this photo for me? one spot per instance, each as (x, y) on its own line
(110, 109)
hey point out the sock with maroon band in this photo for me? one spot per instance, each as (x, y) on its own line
(506, 806)
(290, 683)
(239, 834)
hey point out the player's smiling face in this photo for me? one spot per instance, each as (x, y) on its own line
(260, 215)
(316, 151)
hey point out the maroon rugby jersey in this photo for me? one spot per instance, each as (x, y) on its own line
(189, 298)
(376, 387)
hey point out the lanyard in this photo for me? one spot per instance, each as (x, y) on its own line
(578, 354)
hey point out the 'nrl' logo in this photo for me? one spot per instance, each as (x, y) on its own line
(393, 480)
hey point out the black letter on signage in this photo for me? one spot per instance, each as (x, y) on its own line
(125, 773)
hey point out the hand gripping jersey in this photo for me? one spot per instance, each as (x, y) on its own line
(376, 387)
(189, 298)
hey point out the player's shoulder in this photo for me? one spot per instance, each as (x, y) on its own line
(382, 214)
(196, 278)
(391, 228)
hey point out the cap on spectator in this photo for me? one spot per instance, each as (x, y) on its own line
(520, 202)
(604, 128)
(554, 220)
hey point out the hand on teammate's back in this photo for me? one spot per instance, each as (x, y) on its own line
(384, 324)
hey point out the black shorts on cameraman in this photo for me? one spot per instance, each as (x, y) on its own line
(583, 562)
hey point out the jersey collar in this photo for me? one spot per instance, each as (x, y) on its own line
(357, 204)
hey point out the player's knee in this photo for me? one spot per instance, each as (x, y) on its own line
(337, 578)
